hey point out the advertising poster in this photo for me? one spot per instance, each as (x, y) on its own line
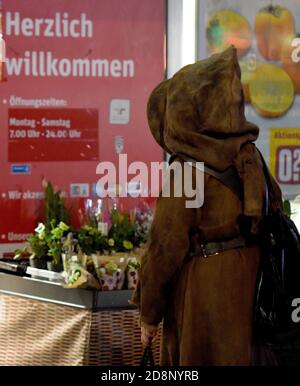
(266, 36)
(73, 92)
(285, 155)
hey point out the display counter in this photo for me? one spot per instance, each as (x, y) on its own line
(42, 323)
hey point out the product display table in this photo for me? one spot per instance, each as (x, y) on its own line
(42, 323)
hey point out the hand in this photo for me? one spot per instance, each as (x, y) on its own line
(147, 336)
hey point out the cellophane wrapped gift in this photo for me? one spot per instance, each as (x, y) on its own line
(110, 270)
(76, 274)
(132, 271)
(70, 258)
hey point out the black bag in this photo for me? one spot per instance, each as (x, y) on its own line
(147, 357)
(279, 276)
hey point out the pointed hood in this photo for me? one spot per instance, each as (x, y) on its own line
(200, 111)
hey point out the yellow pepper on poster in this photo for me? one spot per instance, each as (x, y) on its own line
(285, 155)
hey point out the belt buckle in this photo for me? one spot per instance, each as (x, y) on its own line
(205, 255)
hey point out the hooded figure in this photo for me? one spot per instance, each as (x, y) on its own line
(205, 301)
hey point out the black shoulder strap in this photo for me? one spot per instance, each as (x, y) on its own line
(270, 194)
(229, 177)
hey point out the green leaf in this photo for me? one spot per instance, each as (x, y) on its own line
(287, 208)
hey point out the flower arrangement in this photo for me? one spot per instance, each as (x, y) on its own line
(121, 236)
(108, 276)
(91, 240)
(133, 263)
(45, 244)
(133, 267)
(142, 223)
(111, 273)
(108, 257)
(38, 244)
(54, 239)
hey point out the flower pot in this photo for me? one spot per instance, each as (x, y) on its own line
(51, 266)
(38, 263)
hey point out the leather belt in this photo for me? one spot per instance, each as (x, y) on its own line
(214, 248)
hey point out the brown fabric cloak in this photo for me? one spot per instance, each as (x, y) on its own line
(206, 304)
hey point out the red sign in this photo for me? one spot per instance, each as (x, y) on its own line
(34, 133)
(77, 78)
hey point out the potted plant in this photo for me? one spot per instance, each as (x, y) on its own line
(57, 216)
(55, 208)
(45, 244)
(54, 239)
(91, 240)
(37, 249)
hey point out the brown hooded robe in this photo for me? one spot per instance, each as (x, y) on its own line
(206, 304)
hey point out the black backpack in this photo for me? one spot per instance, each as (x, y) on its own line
(278, 282)
(278, 286)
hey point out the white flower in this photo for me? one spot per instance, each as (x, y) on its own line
(40, 228)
